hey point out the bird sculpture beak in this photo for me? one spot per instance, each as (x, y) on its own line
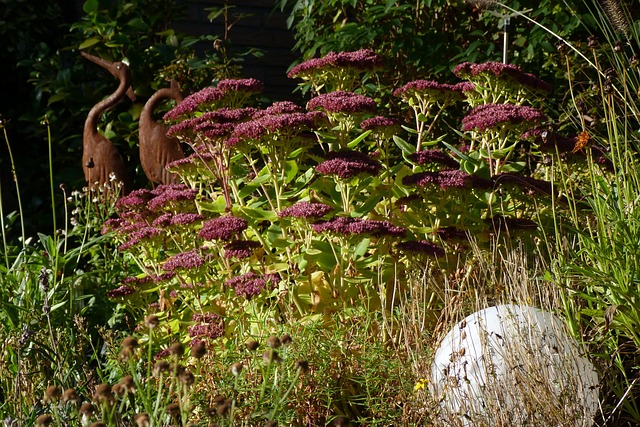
(97, 60)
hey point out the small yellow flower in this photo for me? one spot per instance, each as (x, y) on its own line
(420, 385)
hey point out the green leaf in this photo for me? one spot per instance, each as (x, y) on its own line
(88, 43)
(91, 6)
(357, 140)
(404, 145)
(218, 206)
(57, 97)
(513, 167)
(291, 170)
(258, 214)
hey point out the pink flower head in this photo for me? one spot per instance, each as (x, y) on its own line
(347, 164)
(345, 225)
(434, 156)
(282, 107)
(240, 249)
(342, 102)
(208, 325)
(291, 123)
(378, 123)
(469, 71)
(488, 116)
(250, 284)
(421, 247)
(240, 85)
(306, 210)
(361, 60)
(194, 102)
(223, 228)
(166, 195)
(184, 260)
(446, 179)
(428, 89)
(120, 292)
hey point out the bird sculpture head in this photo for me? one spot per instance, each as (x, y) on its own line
(118, 69)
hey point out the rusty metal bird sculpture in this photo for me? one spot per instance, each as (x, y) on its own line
(157, 149)
(99, 156)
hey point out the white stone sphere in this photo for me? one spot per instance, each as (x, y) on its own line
(513, 365)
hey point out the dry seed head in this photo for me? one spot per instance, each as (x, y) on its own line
(87, 409)
(303, 366)
(176, 349)
(70, 395)
(142, 420)
(98, 424)
(285, 339)
(44, 420)
(173, 409)
(52, 394)
(236, 368)
(271, 356)
(129, 342)
(103, 393)
(199, 349)
(341, 421)
(273, 341)
(161, 367)
(128, 384)
(252, 345)
(186, 377)
(118, 390)
(151, 321)
(271, 424)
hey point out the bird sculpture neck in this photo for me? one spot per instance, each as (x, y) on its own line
(155, 99)
(91, 124)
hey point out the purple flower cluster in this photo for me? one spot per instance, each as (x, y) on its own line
(193, 102)
(488, 116)
(379, 123)
(240, 249)
(240, 85)
(184, 260)
(342, 102)
(359, 226)
(209, 95)
(212, 121)
(306, 210)
(120, 292)
(250, 284)
(468, 70)
(135, 201)
(208, 325)
(223, 228)
(421, 247)
(282, 107)
(434, 156)
(347, 164)
(272, 123)
(166, 195)
(446, 179)
(363, 60)
(432, 90)
(184, 218)
(137, 232)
